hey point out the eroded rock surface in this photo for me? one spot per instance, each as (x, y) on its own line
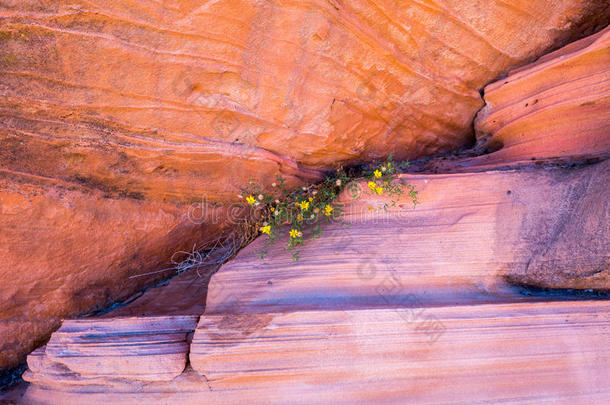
(140, 349)
(403, 305)
(156, 98)
(116, 116)
(555, 108)
(553, 351)
(469, 234)
(487, 353)
(68, 250)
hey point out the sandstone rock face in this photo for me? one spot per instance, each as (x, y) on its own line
(116, 117)
(470, 235)
(404, 305)
(556, 107)
(184, 294)
(67, 250)
(526, 352)
(142, 349)
(458, 354)
(163, 100)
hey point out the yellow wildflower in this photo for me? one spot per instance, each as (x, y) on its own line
(266, 229)
(310, 199)
(251, 200)
(272, 209)
(304, 205)
(377, 173)
(293, 233)
(372, 185)
(328, 210)
(379, 190)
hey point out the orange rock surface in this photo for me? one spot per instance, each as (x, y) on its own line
(67, 250)
(158, 99)
(116, 116)
(557, 107)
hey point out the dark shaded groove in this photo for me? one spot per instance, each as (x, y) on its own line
(11, 376)
(558, 294)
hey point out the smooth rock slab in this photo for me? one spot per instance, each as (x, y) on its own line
(145, 349)
(510, 353)
(463, 354)
(471, 236)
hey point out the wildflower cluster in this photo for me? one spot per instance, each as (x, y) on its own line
(302, 211)
(382, 180)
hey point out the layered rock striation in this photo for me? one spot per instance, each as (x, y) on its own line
(553, 109)
(127, 127)
(144, 349)
(392, 306)
(471, 238)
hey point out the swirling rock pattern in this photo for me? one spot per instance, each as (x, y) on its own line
(555, 108)
(115, 116)
(166, 100)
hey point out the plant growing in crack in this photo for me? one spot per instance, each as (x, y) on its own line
(299, 213)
